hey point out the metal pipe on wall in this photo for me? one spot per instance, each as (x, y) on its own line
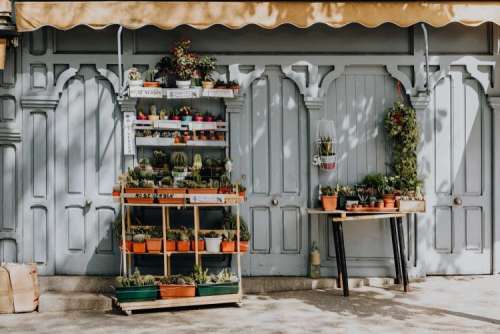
(120, 69)
(426, 40)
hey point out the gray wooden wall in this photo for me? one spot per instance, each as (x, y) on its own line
(347, 75)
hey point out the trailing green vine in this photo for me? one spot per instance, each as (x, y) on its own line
(403, 130)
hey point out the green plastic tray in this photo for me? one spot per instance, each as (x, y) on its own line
(137, 293)
(217, 289)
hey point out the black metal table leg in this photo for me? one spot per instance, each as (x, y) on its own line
(402, 253)
(395, 249)
(345, 278)
(337, 253)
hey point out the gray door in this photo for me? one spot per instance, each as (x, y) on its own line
(88, 160)
(461, 199)
(274, 162)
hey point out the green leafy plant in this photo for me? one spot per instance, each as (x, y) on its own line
(183, 234)
(134, 74)
(230, 224)
(183, 62)
(171, 235)
(326, 146)
(328, 191)
(206, 65)
(200, 276)
(403, 130)
(150, 74)
(135, 280)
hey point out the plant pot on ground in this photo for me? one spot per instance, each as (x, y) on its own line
(212, 242)
(135, 288)
(177, 286)
(328, 198)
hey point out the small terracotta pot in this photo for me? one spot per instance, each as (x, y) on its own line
(139, 247)
(220, 136)
(380, 204)
(329, 202)
(175, 291)
(128, 246)
(140, 200)
(202, 191)
(227, 246)
(183, 245)
(198, 118)
(243, 246)
(201, 245)
(207, 84)
(170, 246)
(151, 84)
(153, 245)
(140, 190)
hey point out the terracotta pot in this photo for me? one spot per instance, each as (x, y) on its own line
(140, 200)
(202, 191)
(201, 245)
(227, 246)
(139, 247)
(243, 246)
(183, 245)
(198, 118)
(186, 138)
(389, 197)
(236, 90)
(151, 84)
(389, 203)
(170, 191)
(207, 84)
(175, 291)
(380, 204)
(128, 246)
(220, 136)
(153, 245)
(140, 190)
(329, 202)
(170, 247)
(116, 194)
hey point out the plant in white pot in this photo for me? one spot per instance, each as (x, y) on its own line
(134, 78)
(184, 64)
(212, 242)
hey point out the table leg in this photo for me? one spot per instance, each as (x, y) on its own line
(402, 253)
(395, 249)
(337, 254)
(345, 278)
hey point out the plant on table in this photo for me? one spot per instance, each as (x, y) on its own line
(179, 161)
(150, 78)
(184, 63)
(208, 117)
(345, 193)
(139, 241)
(175, 115)
(198, 117)
(200, 276)
(235, 86)
(186, 113)
(134, 77)
(206, 65)
(328, 197)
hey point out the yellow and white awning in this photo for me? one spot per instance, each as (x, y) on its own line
(63, 15)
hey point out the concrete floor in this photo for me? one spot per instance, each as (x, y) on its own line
(440, 304)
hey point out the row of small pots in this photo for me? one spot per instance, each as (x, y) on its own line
(212, 245)
(330, 203)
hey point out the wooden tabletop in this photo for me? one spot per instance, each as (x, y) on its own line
(343, 215)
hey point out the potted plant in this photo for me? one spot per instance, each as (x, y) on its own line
(344, 194)
(219, 84)
(177, 286)
(153, 243)
(140, 115)
(149, 78)
(329, 198)
(184, 64)
(202, 187)
(175, 115)
(183, 240)
(134, 78)
(167, 192)
(326, 153)
(198, 117)
(153, 115)
(186, 114)
(244, 239)
(186, 137)
(212, 242)
(242, 190)
(228, 244)
(206, 65)
(388, 191)
(171, 241)
(202, 135)
(208, 117)
(179, 162)
(235, 86)
(135, 288)
(220, 136)
(230, 224)
(139, 243)
(225, 282)
(201, 242)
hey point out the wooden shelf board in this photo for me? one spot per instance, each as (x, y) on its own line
(182, 205)
(178, 302)
(188, 252)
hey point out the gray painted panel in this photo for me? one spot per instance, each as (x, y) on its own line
(261, 230)
(8, 77)
(39, 215)
(474, 229)
(474, 133)
(8, 250)
(8, 108)
(39, 155)
(38, 76)
(456, 38)
(290, 139)
(443, 138)
(75, 143)
(8, 204)
(292, 234)
(260, 137)
(38, 42)
(77, 40)
(75, 221)
(443, 229)
(105, 218)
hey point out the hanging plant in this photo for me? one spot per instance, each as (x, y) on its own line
(403, 130)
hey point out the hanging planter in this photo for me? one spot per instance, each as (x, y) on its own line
(325, 157)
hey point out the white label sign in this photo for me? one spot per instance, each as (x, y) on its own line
(218, 92)
(128, 133)
(146, 92)
(180, 93)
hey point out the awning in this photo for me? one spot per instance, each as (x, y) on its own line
(63, 15)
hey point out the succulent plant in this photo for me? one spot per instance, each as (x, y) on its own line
(179, 159)
(171, 235)
(200, 276)
(184, 234)
(177, 280)
(134, 74)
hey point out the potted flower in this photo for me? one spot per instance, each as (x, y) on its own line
(208, 117)
(153, 243)
(175, 115)
(183, 240)
(212, 242)
(198, 117)
(177, 286)
(329, 198)
(149, 78)
(228, 244)
(139, 243)
(326, 153)
(235, 86)
(186, 114)
(206, 65)
(171, 241)
(140, 115)
(184, 64)
(201, 242)
(135, 288)
(388, 191)
(134, 78)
